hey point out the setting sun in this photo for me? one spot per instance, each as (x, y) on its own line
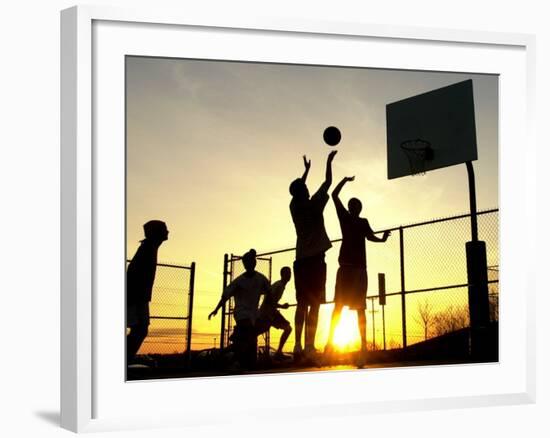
(346, 335)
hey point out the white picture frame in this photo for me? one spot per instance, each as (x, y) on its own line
(92, 41)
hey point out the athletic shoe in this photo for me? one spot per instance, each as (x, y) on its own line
(361, 358)
(311, 351)
(235, 367)
(311, 358)
(328, 354)
(145, 359)
(298, 353)
(281, 357)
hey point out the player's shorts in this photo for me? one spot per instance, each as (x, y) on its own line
(243, 332)
(137, 314)
(245, 342)
(277, 320)
(310, 275)
(351, 287)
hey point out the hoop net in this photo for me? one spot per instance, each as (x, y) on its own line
(418, 153)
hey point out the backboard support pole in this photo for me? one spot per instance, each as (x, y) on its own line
(478, 291)
(473, 203)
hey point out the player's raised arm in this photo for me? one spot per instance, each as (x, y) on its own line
(307, 165)
(341, 184)
(328, 173)
(340, 209)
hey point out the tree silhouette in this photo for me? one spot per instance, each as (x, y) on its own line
(393, 344)
(425, 316)
(451, 319)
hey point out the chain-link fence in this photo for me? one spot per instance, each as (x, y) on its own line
(171, 310)
(426, 282)
(435, 273)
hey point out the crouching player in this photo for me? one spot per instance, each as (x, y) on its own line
(269, 315)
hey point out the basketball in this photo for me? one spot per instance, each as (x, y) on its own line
(332, 136)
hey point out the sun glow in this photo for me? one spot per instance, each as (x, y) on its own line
(346, 334)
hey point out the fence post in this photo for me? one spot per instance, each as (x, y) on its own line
(403, 304)
(268, 334)
(384, 326)
(373, 327)
(190, 312)
(222, 334)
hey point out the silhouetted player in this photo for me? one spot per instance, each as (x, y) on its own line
(246, 290)
(140, 277)
(310, 270)
(269, 315)
(351, 278)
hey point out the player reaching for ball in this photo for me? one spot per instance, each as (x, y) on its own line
(312, 242)
(351, 278)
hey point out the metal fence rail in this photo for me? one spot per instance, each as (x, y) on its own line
(426, 280)
(171, 310)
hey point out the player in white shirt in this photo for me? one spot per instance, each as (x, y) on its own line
(246, 290)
